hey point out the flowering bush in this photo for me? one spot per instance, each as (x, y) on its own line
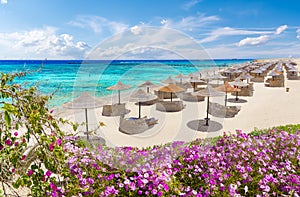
(31, 146)
(238, 165)
(261, 164)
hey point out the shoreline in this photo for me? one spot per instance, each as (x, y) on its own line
(267, 108)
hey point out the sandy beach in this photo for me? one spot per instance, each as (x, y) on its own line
(267, 108)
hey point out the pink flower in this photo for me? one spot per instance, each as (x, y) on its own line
(53, 187)
(16, 133)
(48, 173)
(51, 111)
(16, 143)
(23, 157)
(13, 170)
(58, 142)
(8, 142)
(29, 173)
(23, 140)
(51, 146)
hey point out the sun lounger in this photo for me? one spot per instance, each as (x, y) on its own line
(274, 83)
(136, 125)
(258, 79)
(187, 96)
(170, 106)
(150, 102)
(218, 110)
(165, 95)
(114, 110)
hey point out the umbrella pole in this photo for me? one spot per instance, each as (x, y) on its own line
(225, 99)
(148, 89)
(236, 96)
(171, 96)
(86, 124)
(139, 109)
(119, 96)
(207, 112)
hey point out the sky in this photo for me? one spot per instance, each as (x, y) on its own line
(73, 29)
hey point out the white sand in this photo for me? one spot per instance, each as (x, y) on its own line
(267, 108)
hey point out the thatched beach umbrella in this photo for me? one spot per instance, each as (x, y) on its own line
(148, 85)
(180, 76)
(84, 101)
(227, 88)
(141, 96)
(245, 76)
(218, 76)
(119, 86)
(274, 74)
(257, 72)
(208, 92)
(238, 83)
(192, 76)
(194, 81)
(169, 80)
(171, 88)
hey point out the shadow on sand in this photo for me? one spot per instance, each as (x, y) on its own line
(233, 100)
(199, 125)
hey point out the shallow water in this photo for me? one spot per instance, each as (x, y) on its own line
(69, 78)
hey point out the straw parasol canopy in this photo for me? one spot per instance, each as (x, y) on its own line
(208, 92)
(194, 81)
(227, 88)
(171, 88)
(84, 101)
(257, 71)
(218, 76)
(274, 74)
(180, 76)
(168, 80)
(245, 76)
(238, 83)
(141, 96)
(148, 85)
(119, 86)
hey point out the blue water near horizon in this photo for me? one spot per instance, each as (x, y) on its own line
(69, 78)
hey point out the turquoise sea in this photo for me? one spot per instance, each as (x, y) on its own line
(69, 78)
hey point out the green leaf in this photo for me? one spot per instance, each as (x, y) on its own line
(7, 119)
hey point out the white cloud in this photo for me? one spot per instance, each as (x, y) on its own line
(151, 43)
(254, 41)
(190, 23)
(298, 34)
(190, 4)
(3, 1)
(41, 43)
(164, 22)
(136, 30)
(273, 50)
(281, 29)
(99, 24)
(228, 31)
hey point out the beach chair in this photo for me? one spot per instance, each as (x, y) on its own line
(151, 102)
(170, 106)
(165, 95)
(187, 96)
(221, 111)
(134, 125)
(115, 110)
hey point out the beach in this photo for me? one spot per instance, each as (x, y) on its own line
(268, 107)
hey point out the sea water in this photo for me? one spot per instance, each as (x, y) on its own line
(67, 79)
